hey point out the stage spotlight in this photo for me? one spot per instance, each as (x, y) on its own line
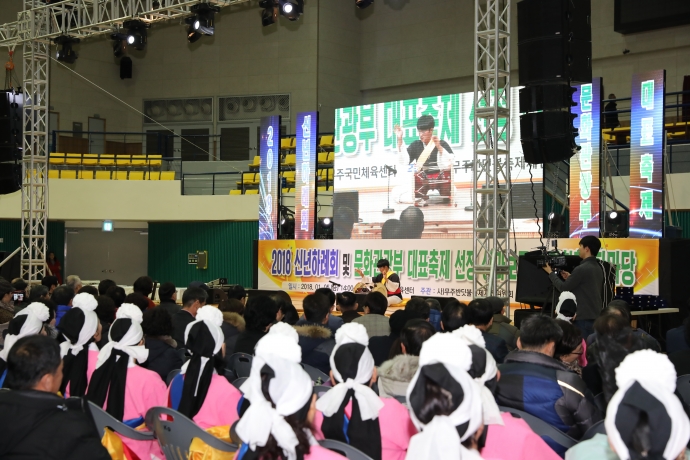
(287, 223)
(292, 9)
(202, 22)
(269, 15)
(119, 43)
(325, 229)
(616, 224)
(66, 53)
(136, 35)
(363, 3)
(557, 226)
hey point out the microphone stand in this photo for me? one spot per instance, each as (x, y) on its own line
(388, 209)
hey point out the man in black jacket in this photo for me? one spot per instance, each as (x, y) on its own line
(315, 338)
(34, 421)
(480, 314)
(586, 283)
(192, 300)
(534, 382)
(167, 293)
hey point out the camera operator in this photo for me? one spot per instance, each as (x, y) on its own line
(586, 282)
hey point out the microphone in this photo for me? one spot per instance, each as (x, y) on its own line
(335, 284)
(391, 169)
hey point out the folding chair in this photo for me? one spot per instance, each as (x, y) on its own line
(240, 364)
(318, 377)
(344, 449)
(104, 420)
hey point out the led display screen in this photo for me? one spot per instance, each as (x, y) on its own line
(305, 174)
(269, 152)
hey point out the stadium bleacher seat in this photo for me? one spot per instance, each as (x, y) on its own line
(136, 175)
(290, 159)
(326, 142)
(248, 178)
(252, 192)
(57, 159)
(235, 192)
(168, 175)
(122, 161)
(53, 174)
(139, 161)
(68, 174)
(255, 164)
(89, 159)
(85, 174)
(106, 160)
(155, 161)
(120, 175)
(102, 175)
(73, 159)
(153, 175)
(289, 177)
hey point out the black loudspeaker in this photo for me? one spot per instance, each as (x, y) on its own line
(10, 178)
(11, 106)
(547, 137)
(554, 41)
(125, 68)
(12, 267)
(546, 97)
(533, 284)
(673, 283)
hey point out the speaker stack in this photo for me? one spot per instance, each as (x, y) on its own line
(11, 138)
(555, 52)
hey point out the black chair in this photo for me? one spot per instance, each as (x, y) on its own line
(104, 420)
(318, 377)
(320, 390)
(171, 375)
(683, 389)
(237, 383)
(542, 428)
(240, 364)
(597, 428)
(175, 433)
(401, 399)
(600, 402)
(344, 449)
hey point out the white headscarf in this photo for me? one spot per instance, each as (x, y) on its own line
(279, 343)
(656, 375)
(213, 319)
(284, 329)
(290, 391)
(471, 335)
(86, 303)
(369, 402)
(36, 314)
(130, 342)
(439, 438)
(565, 295)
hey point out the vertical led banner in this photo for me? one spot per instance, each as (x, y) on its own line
(305, 177)
(584, 166)
(647, 154)
(269, 152)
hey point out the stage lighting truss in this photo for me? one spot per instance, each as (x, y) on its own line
(65, 53)
(363, 3)
(136, 33)
(202, 21)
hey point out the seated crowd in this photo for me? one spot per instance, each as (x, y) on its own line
(428, 382)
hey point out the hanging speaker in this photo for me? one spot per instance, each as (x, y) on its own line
(11, 105)
(10, 178)
(125, 67)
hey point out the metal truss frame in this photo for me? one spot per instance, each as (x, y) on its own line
(491, 185)
(36, 25)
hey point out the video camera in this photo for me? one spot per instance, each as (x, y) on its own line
(554, 258)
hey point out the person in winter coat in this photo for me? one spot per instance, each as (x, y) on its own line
(29, 321)
(396, 373)
(163, 355)
(534, 382)
(501, 325)
(34, 421)
(233, 323)
(315, 338)
(381, 346)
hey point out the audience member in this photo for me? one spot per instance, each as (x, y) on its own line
(104, 285)
(506, 436)
(445, 402)
(678, 338)
(570, 348)
(163, 356)
(611, 108)
(276, 424)
(93, 290)
(644, 419)
(62, 296)
(566, 308)
(167, 294)
(34, 421)
(480, 313)
(586, 283)
(334, 322)
(237, 291)
(452, 316)
(396, 373)
(81, 329)
(283, 300)
(54, 266)
(346, 302)
(383, 347)
(315, 338)
(144, 286)
(434, 313)
(259, 314)
(412, 220)
(290, 315)
(29, 321)
(117, 294)
(192, 300)
(74, 282)
(201, 392)
(51, 282)
(22, 300)
(501, 326)
(106, 315)
(419, 305)
(381, 428)
(374, 319)
(6, 307)
(139, 300)
(387, 279)
(39, 293)
(233, 323)
(533, 381)
(120, 385)
(621, 308)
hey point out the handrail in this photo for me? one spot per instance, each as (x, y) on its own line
(213, 177)
(10, 256)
